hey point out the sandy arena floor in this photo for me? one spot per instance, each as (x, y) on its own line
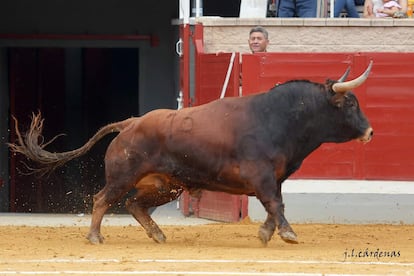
(213, 249)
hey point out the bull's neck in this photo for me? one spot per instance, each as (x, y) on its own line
(298, 121)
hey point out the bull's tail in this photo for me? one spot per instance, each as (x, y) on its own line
(32, 144)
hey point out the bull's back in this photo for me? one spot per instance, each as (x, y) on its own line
(214, 123)
(208, 132)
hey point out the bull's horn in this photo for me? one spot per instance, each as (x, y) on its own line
(345, 75)
(342, 87)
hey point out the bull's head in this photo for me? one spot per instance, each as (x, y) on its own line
(341, 87)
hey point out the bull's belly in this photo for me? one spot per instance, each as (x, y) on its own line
(212, 177)
(231, 187)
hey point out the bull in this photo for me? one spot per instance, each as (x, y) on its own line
(238, 145)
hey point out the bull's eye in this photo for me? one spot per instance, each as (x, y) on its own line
(351, 104)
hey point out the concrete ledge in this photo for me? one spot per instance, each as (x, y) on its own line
(310, 34)
(344, 202)
(347, 187)
(306, 201)
(277, 21)
(164, 215)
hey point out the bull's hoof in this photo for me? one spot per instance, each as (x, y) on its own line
(95, 238)
(159, 237)
(289, 236)
(265, 235)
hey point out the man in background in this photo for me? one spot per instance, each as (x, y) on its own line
(258, 39)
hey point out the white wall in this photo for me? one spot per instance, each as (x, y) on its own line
(344, 202)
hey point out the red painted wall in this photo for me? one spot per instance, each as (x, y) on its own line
(387, 98)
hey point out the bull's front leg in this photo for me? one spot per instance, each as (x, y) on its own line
(273, 204)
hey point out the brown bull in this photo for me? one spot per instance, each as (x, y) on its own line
(244, 145)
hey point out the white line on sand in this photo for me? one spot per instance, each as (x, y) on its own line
(59, 260)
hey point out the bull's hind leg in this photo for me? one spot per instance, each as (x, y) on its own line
(118, 183)
(101, 202)
(153, 190)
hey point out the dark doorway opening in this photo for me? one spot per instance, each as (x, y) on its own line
(78, 90)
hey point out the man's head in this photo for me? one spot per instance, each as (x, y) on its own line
(258, 39)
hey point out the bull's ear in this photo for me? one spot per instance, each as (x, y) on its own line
(338, 100)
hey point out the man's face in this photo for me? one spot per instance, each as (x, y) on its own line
(258, 42)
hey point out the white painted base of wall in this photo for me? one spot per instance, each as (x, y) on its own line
(344, 202)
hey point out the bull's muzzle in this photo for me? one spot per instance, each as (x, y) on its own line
(367, 135)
